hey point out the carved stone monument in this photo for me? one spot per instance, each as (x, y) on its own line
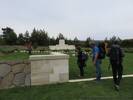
(62, 46)
(48, 69)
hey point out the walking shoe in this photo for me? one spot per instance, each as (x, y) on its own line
(117, 88)
(97, 80)
(80, 76)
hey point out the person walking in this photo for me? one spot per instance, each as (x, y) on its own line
(96, 60)
(80, 61)
(29, 47)
(116, 58)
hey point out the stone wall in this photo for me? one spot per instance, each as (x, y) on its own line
(48, 69)
(15, 74)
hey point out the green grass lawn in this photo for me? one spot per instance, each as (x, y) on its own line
(72, 91)
(17, 56)
(73, 68)
(90, 69)
(14, 56)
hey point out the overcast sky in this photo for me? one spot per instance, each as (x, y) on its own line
(82, 18)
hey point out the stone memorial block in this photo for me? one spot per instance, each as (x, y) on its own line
(46, 69)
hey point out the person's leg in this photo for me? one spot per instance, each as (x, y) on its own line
(29, 51)
(120, 72)
(98, 70)
(81, 70)
(114, 71)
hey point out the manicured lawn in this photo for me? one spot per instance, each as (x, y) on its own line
(90, 69)
(14, 56)
(73, 68)
(17, 56)
(72, 91)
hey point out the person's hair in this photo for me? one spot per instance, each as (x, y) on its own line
(115, 42)
(101, 44)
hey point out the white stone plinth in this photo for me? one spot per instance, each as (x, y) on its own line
(47, 69)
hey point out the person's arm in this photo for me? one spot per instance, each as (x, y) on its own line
(122, 53)
(78, 57)
(95, 58)
(96, 55)
(108, 54)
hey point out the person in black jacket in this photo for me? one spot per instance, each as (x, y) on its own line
(116, 58)
(80, 61)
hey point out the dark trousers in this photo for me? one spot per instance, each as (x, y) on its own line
(81, 68)
(98, 69)
(117, 70)
(29, 51)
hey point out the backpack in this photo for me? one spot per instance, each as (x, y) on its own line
(115, 54)
(84, 56)
(102, 52)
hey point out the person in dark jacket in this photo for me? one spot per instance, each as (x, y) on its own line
(80, 61)
(116, 58)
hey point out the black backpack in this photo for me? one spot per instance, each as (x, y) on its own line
(115, 53)
(84, 56)
(102, 52)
